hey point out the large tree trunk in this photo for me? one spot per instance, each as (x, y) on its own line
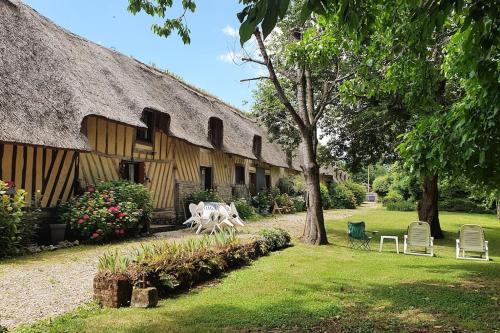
(428, 206)
(314, 230)
(498, 207)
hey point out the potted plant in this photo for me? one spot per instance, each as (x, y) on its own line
(57, 232)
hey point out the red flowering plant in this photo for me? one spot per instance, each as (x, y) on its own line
(97, 216)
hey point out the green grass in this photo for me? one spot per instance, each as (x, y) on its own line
(329, 288)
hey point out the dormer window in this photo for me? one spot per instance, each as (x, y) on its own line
(146, 134)
(257, 145)
(215, 131)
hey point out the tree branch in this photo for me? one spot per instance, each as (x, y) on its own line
(328, 88)
(248, 59)
(256, 78)
(342, 78)
(319, 112)
(279, 89)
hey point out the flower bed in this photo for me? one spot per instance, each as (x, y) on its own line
(172, 267)
(109, 211)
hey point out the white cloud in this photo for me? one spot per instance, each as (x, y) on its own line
(230, 56)
(230, 31)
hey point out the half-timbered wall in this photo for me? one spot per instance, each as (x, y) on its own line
(187, 162)
(167, 160)
(113, 142)
(52, 172)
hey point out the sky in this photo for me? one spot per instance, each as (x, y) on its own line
(207, 63)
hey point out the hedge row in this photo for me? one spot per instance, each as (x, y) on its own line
(171, 267)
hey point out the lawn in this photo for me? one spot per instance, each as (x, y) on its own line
(330, 288)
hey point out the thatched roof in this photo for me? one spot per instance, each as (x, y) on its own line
(51, 79)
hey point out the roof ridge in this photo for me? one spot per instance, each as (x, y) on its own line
(199, 91)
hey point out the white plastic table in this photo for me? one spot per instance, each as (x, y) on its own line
(389, 237)
(213, 206)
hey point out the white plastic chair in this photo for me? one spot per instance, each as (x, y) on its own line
(210, 222)
(190, 222)
(471, 239)
(196, 215)
(234, 216)
(419, 235)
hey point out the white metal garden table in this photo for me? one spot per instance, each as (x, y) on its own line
(395, 238)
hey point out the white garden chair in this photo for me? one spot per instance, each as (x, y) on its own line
(234, 216)
(471, 239)
(196, 215)
(191, 220)
(419, 235)
(210, 222)
(223, 220)
(217, 221)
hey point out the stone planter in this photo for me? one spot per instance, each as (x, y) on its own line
(144, 297)
(112, 290)
(57, 232)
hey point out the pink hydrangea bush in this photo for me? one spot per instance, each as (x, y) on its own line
(97, 216)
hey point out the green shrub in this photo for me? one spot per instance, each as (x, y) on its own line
(264, 200)
(358, 190)
(291, 185)
(299, 204)
(275, 239)
(11, 205)
(285, 203)
(299, 186)
(402, 206)
(392, 197)
(261, 203)
(245, 210)
(406, 184)
(203, 195)
(342, 197)
(113, 262)
(286, 185)
(28, 227)
(98, 216)
(381, 185)
(461, 205)
(326, 200)
(126, 191)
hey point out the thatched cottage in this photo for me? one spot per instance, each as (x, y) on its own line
(74, 113)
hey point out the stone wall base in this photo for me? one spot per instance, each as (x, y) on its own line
(112, 291)
(182, 189)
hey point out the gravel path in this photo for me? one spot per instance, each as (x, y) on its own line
(41, 286)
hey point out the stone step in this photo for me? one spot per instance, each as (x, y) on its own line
(156, 228)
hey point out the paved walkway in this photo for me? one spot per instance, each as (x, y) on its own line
(48, 284)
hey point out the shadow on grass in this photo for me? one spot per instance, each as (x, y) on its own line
(426, 306)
